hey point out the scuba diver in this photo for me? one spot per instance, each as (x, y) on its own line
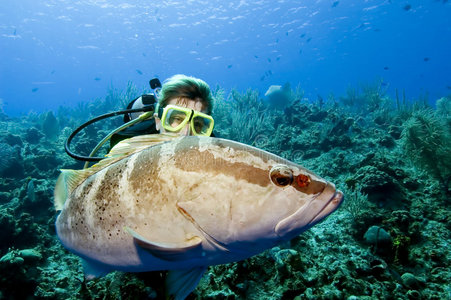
(183, 105)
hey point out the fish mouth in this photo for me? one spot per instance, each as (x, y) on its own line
(311, 213)
(333, 204)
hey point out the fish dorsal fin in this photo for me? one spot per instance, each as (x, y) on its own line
(138, 143)
(65, 184)
(190, 248)
(273, 89)
(126, 148)
(180, 283)
(70, 179)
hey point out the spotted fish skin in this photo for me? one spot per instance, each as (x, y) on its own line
(189, 202)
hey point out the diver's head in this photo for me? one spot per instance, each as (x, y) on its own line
(193, 94)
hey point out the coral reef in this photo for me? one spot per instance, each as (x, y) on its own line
(390, 240)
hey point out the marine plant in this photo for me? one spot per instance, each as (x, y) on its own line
(406, 108)
(427, 142)
(374, 95)
(444, 111)
(119, 98)
(369, 97)
(242, 117)
(400, 248)
(352, 96)
(444, 106)
(298, 94)
(356, 202)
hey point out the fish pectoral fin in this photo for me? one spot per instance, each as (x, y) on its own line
(93, 270)
(188, 249)
(180, 283)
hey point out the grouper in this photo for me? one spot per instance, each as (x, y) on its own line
(159, 202)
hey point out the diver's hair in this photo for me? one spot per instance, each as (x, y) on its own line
(182, 86)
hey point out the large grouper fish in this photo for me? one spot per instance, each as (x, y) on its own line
(159, 202)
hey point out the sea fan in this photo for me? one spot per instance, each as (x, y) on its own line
(444, 111)
(428, 144)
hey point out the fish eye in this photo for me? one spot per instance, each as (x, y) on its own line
(303, 180)
(281, 175)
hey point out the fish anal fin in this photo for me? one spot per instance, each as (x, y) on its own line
(188, 249)
(180, 283)
(93, 270)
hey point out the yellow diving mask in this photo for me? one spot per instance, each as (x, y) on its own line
(174, 118)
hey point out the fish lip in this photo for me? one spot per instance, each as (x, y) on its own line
(310, 213)
(334, 203)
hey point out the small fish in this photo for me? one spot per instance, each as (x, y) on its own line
(286, 33)
(335, 3)
(262, 78)
(300, 51)
(302, 35)
(164, 202)
(308, 40)
(448, 87)
(269, 59)
(386, 68)
(15, 32)
(34, 90)
(278, 58)
(360, 26)
(139, 72)
(144, 54)
(256, 56)
(229, 66)
(53, 72)
(97, 79)
(407, 7)
(426, 59)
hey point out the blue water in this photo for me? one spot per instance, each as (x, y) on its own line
(56, 53)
